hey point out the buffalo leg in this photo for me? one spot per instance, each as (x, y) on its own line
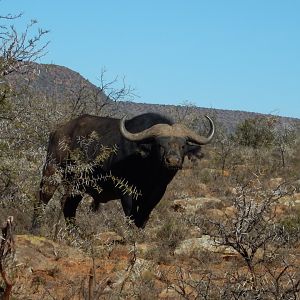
(95, 205)
(146, 206)
(47, 186)
(43, 195)
(129, 206)
(70, 204)
(143, 215)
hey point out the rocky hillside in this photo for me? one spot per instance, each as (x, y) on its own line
(177, 263)
(59, 83)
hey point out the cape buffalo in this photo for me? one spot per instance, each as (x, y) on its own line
(150, 149)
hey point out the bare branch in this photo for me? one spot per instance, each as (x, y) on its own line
(17, 50)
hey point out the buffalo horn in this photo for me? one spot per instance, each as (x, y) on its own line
(201, 140)
(175, 130)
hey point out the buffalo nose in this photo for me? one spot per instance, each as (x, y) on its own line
(173, 160)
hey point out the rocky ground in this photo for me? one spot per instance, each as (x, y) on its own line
(49, 270)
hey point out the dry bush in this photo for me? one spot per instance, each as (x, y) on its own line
(262, 242)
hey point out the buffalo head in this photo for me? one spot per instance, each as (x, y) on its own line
(169, 143)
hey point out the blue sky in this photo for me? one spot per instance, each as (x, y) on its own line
(238, 55)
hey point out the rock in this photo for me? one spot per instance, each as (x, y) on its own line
(296, 198)
(220, 214)
(175, 292)
(195, 231)
(293, 200)
(191, 205)
(108, 237)
(39, 253)
(169, 293)
(232, 190)
(144, 248)
(275, 182)
(205, 243)
(140, 267)
(215, 172)
(297, 184)
(214, 214)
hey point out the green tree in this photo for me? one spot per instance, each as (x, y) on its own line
(256, 132)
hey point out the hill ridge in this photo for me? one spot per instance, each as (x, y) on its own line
(59, 82)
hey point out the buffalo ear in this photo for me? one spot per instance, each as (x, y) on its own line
(194, 152)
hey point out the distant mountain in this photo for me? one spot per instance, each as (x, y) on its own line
(58, 82)
(52, 81)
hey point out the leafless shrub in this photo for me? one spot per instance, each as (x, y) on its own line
(111, 92)
(100, 100)
(18, 49)
(7, 251)
(253, 230)
(191, 285)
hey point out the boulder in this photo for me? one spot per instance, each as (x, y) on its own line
(191, 205)
(192, 246)
(172, 292)
(145, 248)
(108, 237)
(293, 200)
(275, 182)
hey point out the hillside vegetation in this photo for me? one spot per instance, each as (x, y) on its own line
(60, 84)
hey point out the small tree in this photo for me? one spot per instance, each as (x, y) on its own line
(284, 139)
(185, 112)
(99, 100)
(223, 146)
(255, 132)
(255, 138)
(17, 51)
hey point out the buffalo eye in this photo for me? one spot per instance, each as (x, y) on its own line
(161, 149)
(143, 150)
